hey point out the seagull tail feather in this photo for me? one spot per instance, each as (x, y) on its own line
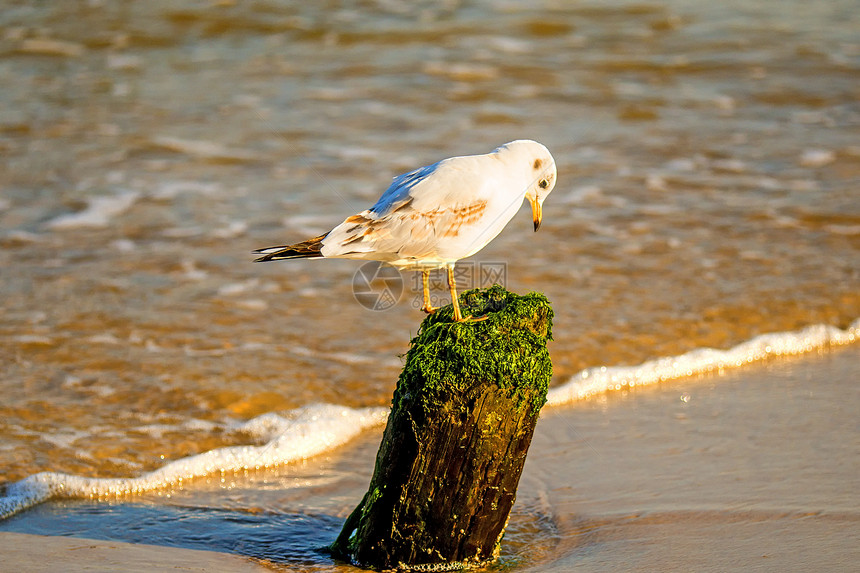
(310, 249)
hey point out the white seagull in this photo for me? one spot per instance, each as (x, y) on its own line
(438, 214)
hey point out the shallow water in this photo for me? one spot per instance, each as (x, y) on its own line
(708, 172)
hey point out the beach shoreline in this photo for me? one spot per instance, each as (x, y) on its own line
(741, 469)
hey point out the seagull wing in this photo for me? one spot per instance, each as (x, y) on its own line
(415, 213)
(401, 189)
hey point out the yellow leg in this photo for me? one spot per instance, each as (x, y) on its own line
(458, 317)
(425, 281)
(455, 300)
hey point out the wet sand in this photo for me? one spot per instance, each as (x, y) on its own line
(752, 470)
(25, 553)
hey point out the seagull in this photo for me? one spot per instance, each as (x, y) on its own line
(434, 216)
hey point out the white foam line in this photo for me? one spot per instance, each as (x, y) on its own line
(310, 431)
(603, 379)
(314, 429)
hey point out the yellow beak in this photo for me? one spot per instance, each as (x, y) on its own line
(537, 213)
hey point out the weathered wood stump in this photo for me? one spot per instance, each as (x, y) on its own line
(461, 423)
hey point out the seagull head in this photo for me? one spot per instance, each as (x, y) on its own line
(539, 167)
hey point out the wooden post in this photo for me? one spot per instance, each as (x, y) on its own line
(461, 423)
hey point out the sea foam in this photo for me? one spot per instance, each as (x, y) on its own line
(309, 431)
(317, 428)
(700, 361)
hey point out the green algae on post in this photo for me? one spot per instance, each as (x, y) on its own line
(462, 419)
(507, 348)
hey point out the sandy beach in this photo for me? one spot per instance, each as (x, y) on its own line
(748, 470)
(26, 553)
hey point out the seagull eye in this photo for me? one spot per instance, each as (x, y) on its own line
(543, 184)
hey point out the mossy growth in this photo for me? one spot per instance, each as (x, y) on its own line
(507, 348)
